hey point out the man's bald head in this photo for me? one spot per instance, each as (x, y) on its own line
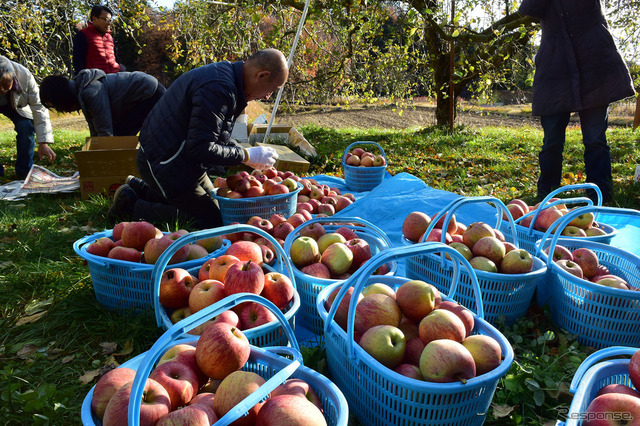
(264, 72)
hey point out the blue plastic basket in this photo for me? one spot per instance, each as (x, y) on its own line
(363, 178)
(265, 335)
(380, 396)
(123, 285)
(507, 295)
(240, 210)
(594, 374)
(309, 286)
(599, 316)
(266, 362)
(529, 236)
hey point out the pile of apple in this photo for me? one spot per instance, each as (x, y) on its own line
(417, 334)
(584, 263)
(617, 400)
(143, 242)
(360, 158)
(482, 245)
(581, 226)
(239, 270)
(330, 255)
(198, 385)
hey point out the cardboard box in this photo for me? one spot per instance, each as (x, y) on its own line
(287, 159)
(105, 162)
(286, 134)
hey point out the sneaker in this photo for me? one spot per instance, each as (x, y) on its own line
(138, 185)
(124, 200)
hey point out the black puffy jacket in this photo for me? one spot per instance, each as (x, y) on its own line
(578, 65)
(189, 129)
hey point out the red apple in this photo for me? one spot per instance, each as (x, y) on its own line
(560, 252)
(196, 251)
(192, 415)
(518, 261)
(101, 247)
(219, 266)
(244, 277)
(587, 259)
(128, 254)
(571, 267)
(233, 389)
(298, 387)
(465, 315)
(283, 229)
(314, 230)
(441, 324)
(444, 361)
(278, 288)
(361, 252)
(618, 388)
(604, 410)
(634, 369)
(245, 251)
(221, 350)
(491, 248)
(179, 380)
(318, 270)
(136, 234)
(296, 219)
(342, 312)
(107, 386)
(413, 350)
(254, 315)
(417, 299)
(376, 309)
(276, 218)
(185, 354)
(206, 293)
(546, 218)
(268, 256)
(409, 370)
(116, 233)
(475, 231)
(485, 350)
(211, 244)
(337, 258)
(155, 404)
(453, 225)
(175, 287)
(278, 188)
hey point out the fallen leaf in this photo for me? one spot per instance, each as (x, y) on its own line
(501, 410)
(31, 318)
(67, 359)
(26, 351)
(88, 376)
(36, 306)
(108, 347)
(128, 348)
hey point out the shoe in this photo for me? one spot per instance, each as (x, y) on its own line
(124, 201)
(138, 185)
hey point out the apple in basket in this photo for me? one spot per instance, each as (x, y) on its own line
(417, 299)
(298, 387)
(186, 354)
(444, 361)
(361, 252)
(211, 244)
(379, 288)
(515, 210)
(221, 350)
(246, 250)
(465, 315)
(587, 259)
(414, 225)
(289, 410)
(441, 324)
(179, 380)
(491, 248)
(560, 252)
(101, 246)
(304, 251)
(482, 263)
(175, 287)
(385, 343)
(206, 293)
(278, 288)
(546, 218)
(475, 231)
(116, 232)
(461, 248)
(409, 370)
(217, 267)
(244, 277)
(573, 231)
(136, 234)
(517, 261)
(156, 246)
(485, 350)
(413, 350)
(609, 408)
(634, 369)
(155, 404)
(107, 386)
(583, 221)
(128, 254)
(594, 231)
(318, 270)
(376, 309)
(342, 312)
(337, 258)
(192, 415)
(618, 388)
(254, 315)
(313, 230)
(571, 267)
(523, 204)
(233, 389)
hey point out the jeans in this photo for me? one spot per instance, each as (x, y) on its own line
(25, 142)
(597, 156)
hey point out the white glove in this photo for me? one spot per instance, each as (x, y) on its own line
(260, 157)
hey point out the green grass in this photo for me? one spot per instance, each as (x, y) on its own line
(55, 339)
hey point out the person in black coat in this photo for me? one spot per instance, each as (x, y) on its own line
(189, 132)
(578, 69)
(113, 104)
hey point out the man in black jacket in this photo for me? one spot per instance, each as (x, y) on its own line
(188, 132)
(113, 104)
(578, 68)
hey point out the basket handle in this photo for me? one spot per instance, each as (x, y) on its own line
(334, 220)
(574, 187)
(180, 328)
(564, 221)
(347, 149)
(598, 356)
(534, 214)
(163, 260)
(359, 278)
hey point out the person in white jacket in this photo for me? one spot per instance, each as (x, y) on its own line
(20, 102)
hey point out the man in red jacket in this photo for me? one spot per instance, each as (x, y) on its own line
(93, 46)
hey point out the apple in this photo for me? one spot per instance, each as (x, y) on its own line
(260, 223)
(206, 293)
(313, 230)
(546, 218)
(271, 172)
(185, 354)
(192, 415)
(254, 314)
(244, 277)
(318, 270)
(180, 382)
(361, 252)
(515, 210)
(298, 387)
(234, 388)
(481, 263)
(221, 350)
(560, 252)
(517, 261)
(276, 218)
(413, 350)
(316, 193)
(116, 232)
(155, 404)
(329, 238)
(342, 312)
(444, 361)
(204, 398)
(571, 267)
(436, 235)
(346, 232)
(613, 282)
(385, 343)
(101, 246)
(358, 151)
(379, 161)
(296, 219)
(409, 370)
(175, 287)
(600, 272)
(376, 309)
(304, 251)
(485, 350)
(337, 258)
(583, 221)
(196, 251)
(278, 288)
(451, 228)
(289, 410)
(379, 288)
(218, 267)
(245, 251)
(587, 259)
(283, 229)
(509, 247)
(523, 204)
(107, 386)
(342, 203)
(441, 324)
(353, 160)
(634, 369)
(610, 408)
(465, 315)
(573, 231)
(475, 231)
(128, 254)
(136, 234)
(594, 231)
(278, 188)
(179, 314)
(462, 249)
(366, 161)
(417, 299)
(156, 246)
(326, 209)
(491, 248)
(618, 388)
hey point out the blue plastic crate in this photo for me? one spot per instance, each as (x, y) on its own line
(123, 285)
(599, 316)
(275, 364)
(265, 335)
(363, 178)
(309, 287)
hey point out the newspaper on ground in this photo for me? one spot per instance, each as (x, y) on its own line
(39, 181)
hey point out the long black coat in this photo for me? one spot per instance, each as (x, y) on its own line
(578, 65)
(189, 130)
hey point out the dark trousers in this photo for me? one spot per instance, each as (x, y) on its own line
(597, 156)
(196, 207)
(128, 122)
(25, 142)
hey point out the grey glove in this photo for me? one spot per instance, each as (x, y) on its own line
(260, 157)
